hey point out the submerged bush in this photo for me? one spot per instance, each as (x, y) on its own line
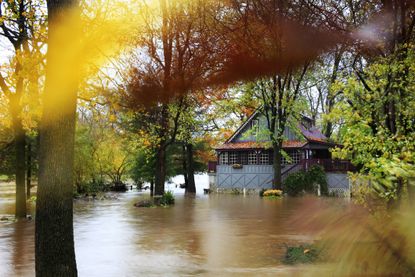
(271, 193)
(146, 203)
(302, 254)
(91, 188)
(316, 176)
(167, 199)
(295, 183)
(307, 181)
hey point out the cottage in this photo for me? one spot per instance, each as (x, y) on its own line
(244, 161)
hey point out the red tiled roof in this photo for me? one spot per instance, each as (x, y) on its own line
(258, 145)
(293, 144)
(311, 138)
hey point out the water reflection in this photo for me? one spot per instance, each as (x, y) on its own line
(16, 243)
(203, 235)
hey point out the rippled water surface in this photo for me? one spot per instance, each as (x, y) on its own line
(212, 235)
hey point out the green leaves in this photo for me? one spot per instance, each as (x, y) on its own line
(378, 132)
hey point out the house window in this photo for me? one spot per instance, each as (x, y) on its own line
(284, 161)
(244, 157)
(223, 158)
(233, 158)
(264, 158)
(295, 157)
(252, 158)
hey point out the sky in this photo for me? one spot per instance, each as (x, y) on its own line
(5, 50)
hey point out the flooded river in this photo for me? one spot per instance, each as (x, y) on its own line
(215, 235)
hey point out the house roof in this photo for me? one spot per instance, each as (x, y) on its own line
(311, 135)
(242, 126)
(258, 145)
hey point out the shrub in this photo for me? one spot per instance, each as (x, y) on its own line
(167, 199)
(302, 254)
(295, 183)
(236, 191)
(91, 188)
(301, 181)
(316, 176)
(272, 193)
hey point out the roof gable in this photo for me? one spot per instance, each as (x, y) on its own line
(307, 133)
(243, 126)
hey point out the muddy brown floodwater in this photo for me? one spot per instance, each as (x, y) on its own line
(216, 235)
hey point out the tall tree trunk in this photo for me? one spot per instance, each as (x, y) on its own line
(54, 239)
(151, 188)
(160, 177)
(411, 192)
(276, 157)
(20, 145)
(330, 101)
(328, 129)
(184, 154)
(191, 186)
(55, 253)
(29, 169)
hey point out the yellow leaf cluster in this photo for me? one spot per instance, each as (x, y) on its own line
(273, 192)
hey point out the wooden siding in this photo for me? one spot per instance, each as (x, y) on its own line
(246, 134)
(249, 176)
(260, 177)
(337, 180)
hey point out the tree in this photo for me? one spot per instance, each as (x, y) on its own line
(174, 39)
(188, 126)
(279, 97)
(54, 241)
(22, 24)
(378, 103)
(224, 110)
(381, 147)
(142, 169)
(72, 44)
(157, 127)
(321, 91)
(114, 158)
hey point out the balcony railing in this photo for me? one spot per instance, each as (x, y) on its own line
(329, 165)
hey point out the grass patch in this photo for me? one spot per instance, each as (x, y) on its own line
(32, 199)
(145, 203)
(166, 200)
(4, 178)
(303, 254)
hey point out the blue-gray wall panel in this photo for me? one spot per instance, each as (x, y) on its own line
(260, 176)
(249, 176)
